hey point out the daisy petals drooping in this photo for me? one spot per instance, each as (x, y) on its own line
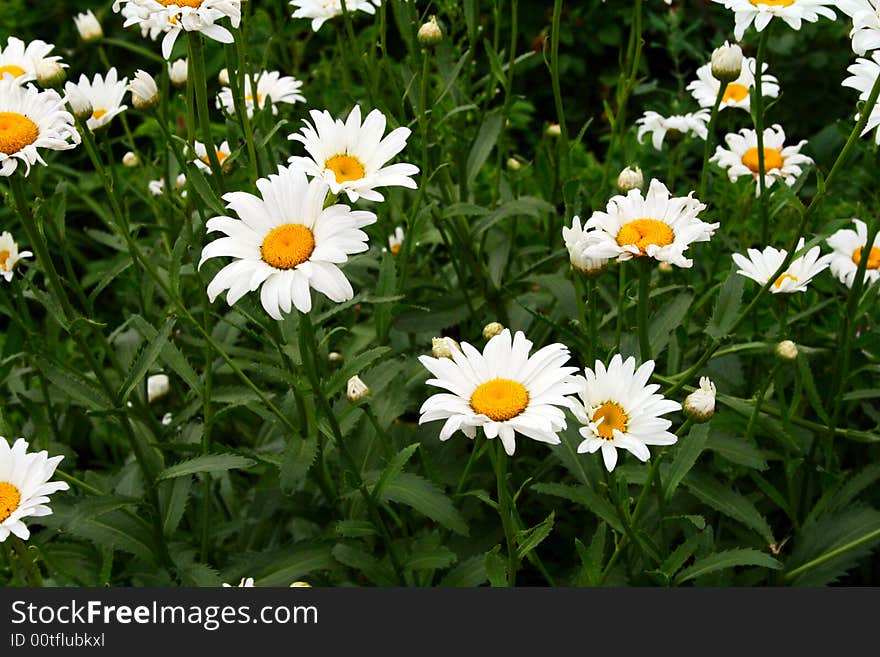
(761, 265)
(849, 249)
(284, 243)
(620, 410)
(504, 391)
(104, 93)
(320, 11)
(694, 124)
(761, 12)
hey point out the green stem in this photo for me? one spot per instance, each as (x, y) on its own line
(499, 464)
(758, 116)
(644, 305)
(557, 89)
(200, 84)
(621, 301)
(710, 140)
(31, 572)
(828, 556)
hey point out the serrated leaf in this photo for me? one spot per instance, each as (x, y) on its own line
(85, 392)
(728, 559)
(737, 450)
(586, 498)
(726, 306)
(496, 567)
(208, 463)
(355, 528)
(483, 145)
(365, 563)
(176, 494)
(528, 539)
(355, 366)
(424, 497)
(430, 557)
(468, 573)
(689, 450)
(394, 468)
(729, 502)
(288, 565)
(144, 360)
(299, 456)
(170, 354)
(667, 319)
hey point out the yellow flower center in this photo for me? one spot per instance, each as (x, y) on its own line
(9, 500)
(779, 281)
(772, 159)
(16, 132)
(773, 3)
(613, 417)
(221, 156)
(873, 257)
(735, 92)
(12, 69)
(4, 257)
(643, 232)
(500, 399)
(195, 4)
(250, 98)
(287, 246)
(395, 249)
(346, 167)
(98, 113)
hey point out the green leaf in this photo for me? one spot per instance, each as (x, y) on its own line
(426, 498)
(667, 320)
(170, 354)
(367, 564)
(209, 463)
(299, 456)
(586, 498)
(287, 565)
(468, 573)
(430, 557)
(726, 306)
(483, 144)
(355, 528)
(496, 567)
(144, 360)
(737, 449)
(728, 559)
(394, 468)
(689, 450)
(76, 387)
(528, 206)
(355, 366)
(386, 286)
(176, 494)
(724, 499)
(528, 539)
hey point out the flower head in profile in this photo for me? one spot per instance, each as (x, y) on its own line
(285, 242)
(741, 157)
(203, 161)
(850, 247)
(738, 93)
(619, 409)
(105, 95)
(864, 74)
(655, 225)
(351, 157)
(320, 11)
(10, 255)
(576, 242)
(693, 125)
(761, 12)
(761, 265)
(271, 85)
(21, 61)
(31, 120)
(503, 390)
(88, 27)
(171, 17)
(865, 15)
(699, 406)
(25, 486)
(157, 187)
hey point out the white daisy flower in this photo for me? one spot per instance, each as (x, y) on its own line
(157, 187)
(321, 11)
(503, 390)
(351, 157)
(693, 124)
(653, 225)
(620, 410)
(31, 119)
(761, 265)
(104, 94)
(21, 61)
(395, 241)
(738, 93)
(864, 74)
(144, 92)
(866, 23)
(25, 486)
(286, 242)
(699, 406)
(245, 583)
(203, 161)
(849, 249)
(576, 241)
(271, 85)
(10, 255)
(175, 16)
(88, 27)
(781, 162)
(761, 12)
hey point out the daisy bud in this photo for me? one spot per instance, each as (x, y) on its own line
(727, 62)
(130, 160)
(166, 419)
(178, 71)
(158, 386)
(430, 33)
(553, 130)
(50, 75)
(492, 329)
(699, 406)
(223, 77)
(79, 103)
(295, 585)
(513, 164)
(786, 351)
(442, 347)
(144, 92)
(665, 267)
(334, 358)
(629, 179)
(88, 27)
(356, 389)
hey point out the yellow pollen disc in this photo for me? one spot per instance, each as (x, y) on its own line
(613, 417)
(9, 500)
(220, 157)
(346, 167)
(873, 257)
(250, 98)
(98, 113)
(772, 160)
(195, 4)
(643, 232)
(779, 281)
(735, 92)
(773, 3)
(395, 249)
(287, 246)
(4, 256)
(12, 69)
(16, 132)
(500, 399)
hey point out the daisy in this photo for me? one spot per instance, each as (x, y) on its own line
(157, 187)
(653, 225)
(576, 241)
(503, 390)
(270, 85)
(738, 93)
(202, 160)
(849, 249)
(104, 94)
(21, 61)
(693, 124)
(761, 265)
(245, 583)
(395, 241)
(88, 27)
(620, 410)
(29, 120)
(351, 157)
(781, 162)
(866, 23)
(24, 486)
(286, 242)
(9, 255)
(761, 12)
(864, 74)
(321, 11)
(174, 16)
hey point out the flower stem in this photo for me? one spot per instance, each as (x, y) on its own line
(200, 85)
(710, 140)
(557, 89)
(28, 566)
(499, 464)
(758, 117)
(644, 304)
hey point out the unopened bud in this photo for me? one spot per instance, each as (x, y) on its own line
(356, 389)
(442, 347)
(430, 33)
(334, 358)
(727, 62)
(295, 585)
(787, 350)
(178, 71)
(492, 329)
(79, 103)
(144, 92)
(699, 406)
(513, 164)
(553, 130)
(665, 267)
(630, 179)
(158, 386)
(130, 160)
(88, 27)
(50, 74)
(223, 77)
